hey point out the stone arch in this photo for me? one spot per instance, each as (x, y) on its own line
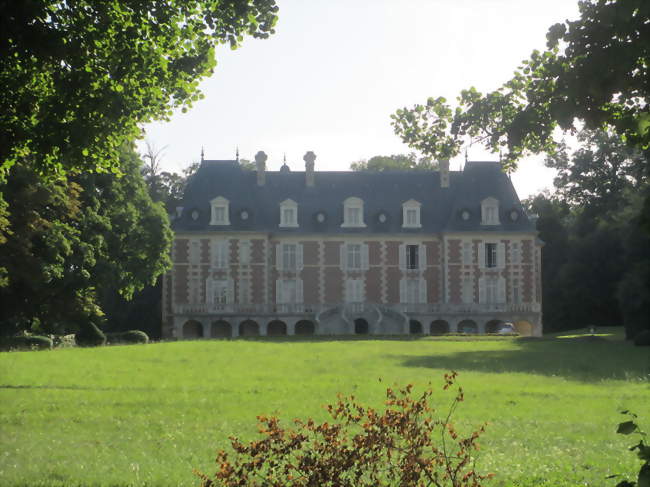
(249, 328)
(361, 326)
(524, 328)
(415, 327)
(439, 327)
(192, 329)
(276, 328)
(305, 327)
(467, 326)
(221, 329)
(493, 326)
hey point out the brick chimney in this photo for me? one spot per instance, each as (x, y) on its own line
(260, 162)
(309, 159)
(444, 173)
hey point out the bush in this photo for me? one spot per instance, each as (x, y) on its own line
(131, 336)
(642, 451)
(27, 342)
(89, 336)
(642, 339)
(406, 444)
(63, 341)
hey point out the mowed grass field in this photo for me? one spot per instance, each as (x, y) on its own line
(149, 414)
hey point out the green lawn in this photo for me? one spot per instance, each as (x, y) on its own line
(148, 415)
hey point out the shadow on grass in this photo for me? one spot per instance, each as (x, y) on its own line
(581, 360)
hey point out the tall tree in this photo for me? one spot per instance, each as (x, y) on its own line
(596, 261)
(395, 162)
(75, 240)
(595, 70)
(80, 78)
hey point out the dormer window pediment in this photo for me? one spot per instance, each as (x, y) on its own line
(288, 214)
(411, 214)
(490, 211)
(219, 211)
(353, 213)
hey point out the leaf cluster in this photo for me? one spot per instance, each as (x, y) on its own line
(595, 70)
(395, 162)
(405, 444)
(75, 239)
(641, 448)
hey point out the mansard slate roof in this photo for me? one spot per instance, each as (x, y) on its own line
(381, 192)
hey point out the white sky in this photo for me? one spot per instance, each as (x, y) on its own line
(335, 71)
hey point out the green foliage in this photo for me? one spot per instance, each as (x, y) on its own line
(89, 335)
(396, 162)
(26, 342)
(595, 70)
(642, 451)
(80, 77)
(406, 444)
(130, 336)
(597, 252)
(77, 239)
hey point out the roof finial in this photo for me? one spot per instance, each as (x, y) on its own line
(465, 155)
(284, 158)
(201, 153)
(237, 153)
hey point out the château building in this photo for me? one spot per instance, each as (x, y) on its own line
(261, 252)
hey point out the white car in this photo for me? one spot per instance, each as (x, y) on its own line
(506, 329)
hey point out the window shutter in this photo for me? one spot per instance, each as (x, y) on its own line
(365, 264)
(481, 255)
(231, 292)
(278, 257)
(278, 292)
(422, 257)
(481, 290)
(402, 256)
(209, 295)
(423, 291)
(402, 290)
(502, 290)
(348, 291)
(299, 258)
(299, 291)
(344, 257)
(501, 255)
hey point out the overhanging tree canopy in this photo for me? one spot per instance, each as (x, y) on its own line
(79, 77)
(596, 70)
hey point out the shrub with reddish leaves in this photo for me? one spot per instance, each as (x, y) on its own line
(406, 444)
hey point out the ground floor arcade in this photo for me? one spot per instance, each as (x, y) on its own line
(193, 327)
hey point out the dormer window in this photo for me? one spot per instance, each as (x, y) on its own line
(288, 214)
(411, 214)
(219, 211)
(490, 211)
(353, 213)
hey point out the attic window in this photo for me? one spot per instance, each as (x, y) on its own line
(490, 211)
(288, 214)
(219, 211)
(411, 214)
(353, 213)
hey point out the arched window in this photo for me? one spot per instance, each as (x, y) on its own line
(353, 213)
(219, 211)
